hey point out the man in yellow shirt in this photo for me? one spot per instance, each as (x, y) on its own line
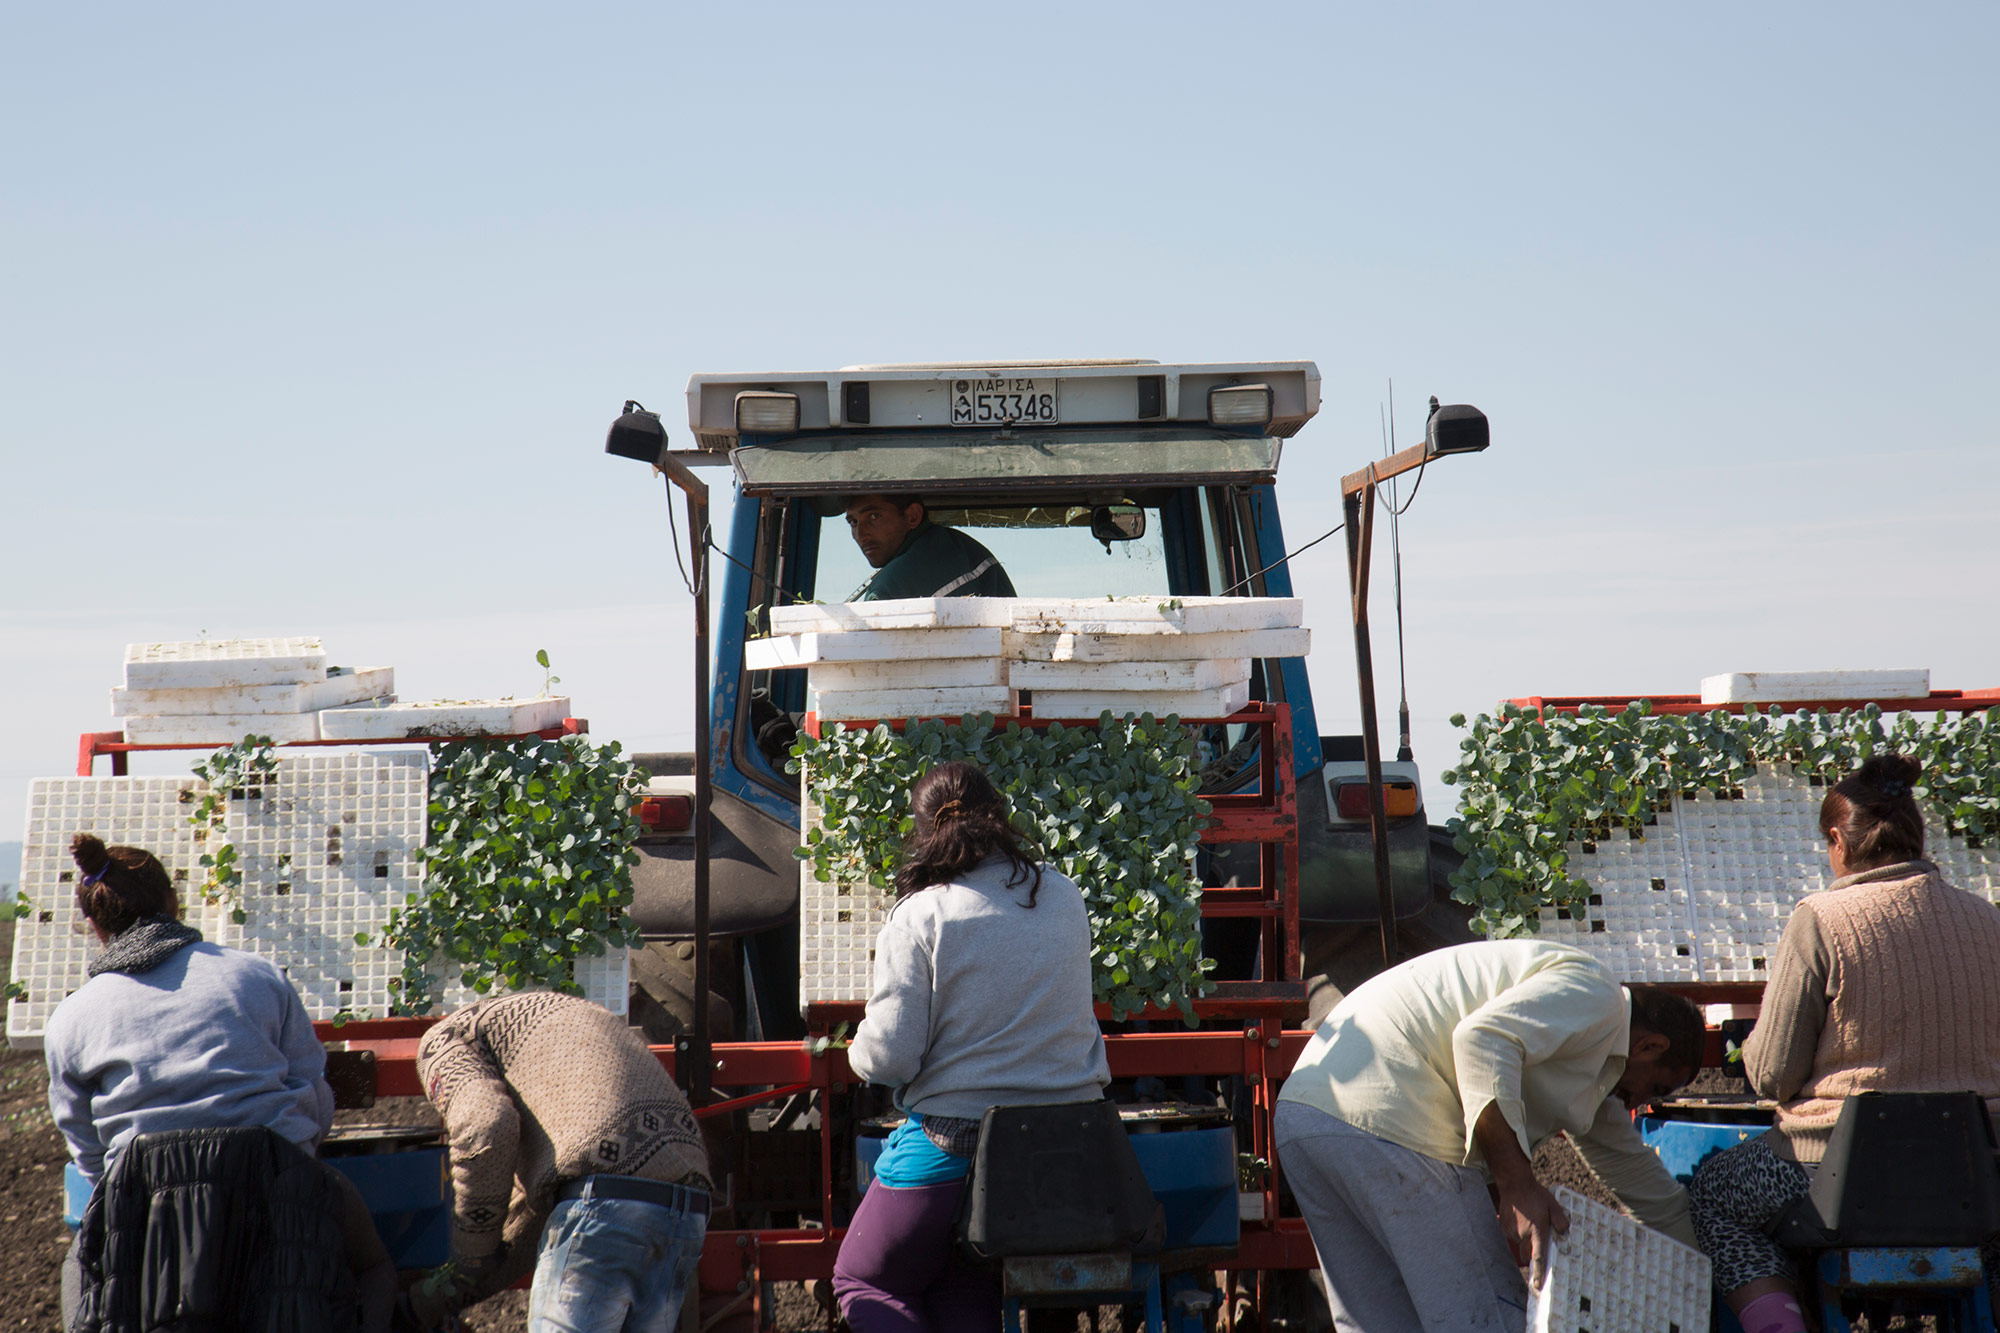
(1444, 1073)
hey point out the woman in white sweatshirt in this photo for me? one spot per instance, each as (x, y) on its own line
(981, 998)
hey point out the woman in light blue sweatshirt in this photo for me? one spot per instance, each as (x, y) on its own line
(173, 1033)
(981, 998)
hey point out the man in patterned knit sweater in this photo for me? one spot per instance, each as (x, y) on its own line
(572, 1154)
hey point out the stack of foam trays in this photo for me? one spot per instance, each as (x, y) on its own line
(217, 691)
(1075, 657)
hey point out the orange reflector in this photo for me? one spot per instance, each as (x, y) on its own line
(666, 814)
(1398, 798)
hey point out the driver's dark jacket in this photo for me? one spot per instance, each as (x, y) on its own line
(936, 561)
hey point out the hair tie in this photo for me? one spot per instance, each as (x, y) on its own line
(951, 809)
(1893, 788)
(95, 877)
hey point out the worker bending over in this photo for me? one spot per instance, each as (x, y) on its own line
(572, 1154)
(1445, 1072)
(914, 557)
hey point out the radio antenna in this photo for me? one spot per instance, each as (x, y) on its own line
(1403, 752)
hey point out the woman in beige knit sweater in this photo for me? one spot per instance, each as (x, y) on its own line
(1888, 981)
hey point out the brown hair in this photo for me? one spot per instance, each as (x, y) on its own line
(1675, 1017)
(960, 821)
(1875, 809)
(120, 885)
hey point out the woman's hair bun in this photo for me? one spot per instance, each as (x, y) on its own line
(1890, 774)
(89, 853)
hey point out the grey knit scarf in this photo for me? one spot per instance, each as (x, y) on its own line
(143, 946)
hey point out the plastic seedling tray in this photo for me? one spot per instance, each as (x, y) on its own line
(901, 613)
(1184, 676)
(1023, 646)
(1158, 615)
(1184, 703)
(417, 721)
(1610, 1274)
(938, 673)
(343, 685)
(222, 729)
(864, 705)
(1806, 686)
(223, 663)
(886, 645)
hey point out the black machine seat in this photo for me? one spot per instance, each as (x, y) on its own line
(1057, 1180)
(1901, 1169)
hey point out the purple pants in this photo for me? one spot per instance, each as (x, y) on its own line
(899, 1271)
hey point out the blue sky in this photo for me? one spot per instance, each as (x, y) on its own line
(311, 320)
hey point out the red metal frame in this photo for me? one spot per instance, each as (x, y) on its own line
(94, 743)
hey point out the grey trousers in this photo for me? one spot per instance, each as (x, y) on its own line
(1406, 1243)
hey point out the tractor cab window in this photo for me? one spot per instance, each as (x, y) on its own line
(1183, 542)
(1059, 550)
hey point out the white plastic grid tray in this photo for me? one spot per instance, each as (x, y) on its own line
(1610, 1274)
(326, 850)
(1069, 646)
(867, 705)
(1706, 894)
(1219, 702)
(223, 663)
(838, 924)
(53, 945)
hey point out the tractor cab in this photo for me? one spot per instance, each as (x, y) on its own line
(1081, 479)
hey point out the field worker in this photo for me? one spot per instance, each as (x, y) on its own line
(1888, 980)
(981, 998)
(1445, 1072)
(914, 557)
(173, 1038)
(572, 1154)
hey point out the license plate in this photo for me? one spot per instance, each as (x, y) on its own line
(1002, 402)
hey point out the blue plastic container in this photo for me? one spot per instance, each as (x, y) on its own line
(1190, 1166)
(407, 1194)
(1685, 1144)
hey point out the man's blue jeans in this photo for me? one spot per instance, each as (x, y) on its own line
(614, 1264)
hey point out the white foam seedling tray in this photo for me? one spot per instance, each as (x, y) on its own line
(1157, 615)
(936, 673)
(1705, 895)
(1219, 702)
(1806, 686)
(1184, 676)
(53, 944)
(862, 705)
(1021, 646)
(223, 663)
(222, 729)
(415, 721)
(887, 645)
(1610, 1274)
(343, 685)
(899, 613)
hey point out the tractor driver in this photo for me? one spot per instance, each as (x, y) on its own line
(914, 557)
